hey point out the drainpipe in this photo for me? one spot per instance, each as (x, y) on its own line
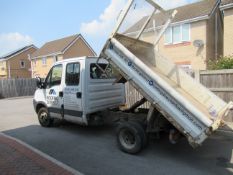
(216, 36)
(9, 70)
(29, 57)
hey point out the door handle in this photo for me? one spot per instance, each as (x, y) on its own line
(61, 94)
(79, 95)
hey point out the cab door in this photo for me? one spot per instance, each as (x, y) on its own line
(73, 93)
(53, 90)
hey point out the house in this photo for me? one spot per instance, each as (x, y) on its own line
(194, 36)
(53, 51)
(227, 9)
(17, 64)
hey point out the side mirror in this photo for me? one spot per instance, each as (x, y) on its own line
(39, 83)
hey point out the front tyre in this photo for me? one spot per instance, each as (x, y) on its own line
(44, 118)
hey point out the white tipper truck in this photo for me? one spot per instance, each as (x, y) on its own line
(90, 91)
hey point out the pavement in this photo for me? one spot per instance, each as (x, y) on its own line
(93, 150)
(19, 158)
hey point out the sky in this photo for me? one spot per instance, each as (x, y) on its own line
(36, 22)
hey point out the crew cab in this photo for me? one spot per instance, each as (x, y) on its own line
(75, 90)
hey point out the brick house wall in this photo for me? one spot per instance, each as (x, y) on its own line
(209, 31)
(16, 71)
(228, 32)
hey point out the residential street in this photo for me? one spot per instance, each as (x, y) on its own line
(93, 151)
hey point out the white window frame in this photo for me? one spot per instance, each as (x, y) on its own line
(189, 27)
(170, 42)
(44, 61)
(24, 64)
(181, 35)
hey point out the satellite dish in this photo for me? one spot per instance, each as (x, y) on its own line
(198, 43)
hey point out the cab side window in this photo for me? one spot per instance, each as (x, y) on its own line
(54, 77)
(72, 74)
(97, 73)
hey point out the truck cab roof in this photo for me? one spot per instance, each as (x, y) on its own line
(75, 59)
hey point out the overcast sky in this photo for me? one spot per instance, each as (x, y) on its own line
(25, 22)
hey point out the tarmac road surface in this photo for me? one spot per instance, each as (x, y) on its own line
(93, 150)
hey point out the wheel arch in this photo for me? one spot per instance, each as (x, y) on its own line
(40, 105)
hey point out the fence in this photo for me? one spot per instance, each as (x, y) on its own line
(17, 87)
(220, 82)
(132, 96)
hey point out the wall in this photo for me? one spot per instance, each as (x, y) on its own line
(40, 70)
(15, 68)
(228, 34)
(79, 49)
(186, 52)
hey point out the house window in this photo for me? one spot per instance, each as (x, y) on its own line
(168, 36)
(44, 61)
(22, 64)
(177, 34)
(186, 32)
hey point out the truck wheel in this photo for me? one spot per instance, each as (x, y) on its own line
(43, 117)
(142, 131)
(130, 137)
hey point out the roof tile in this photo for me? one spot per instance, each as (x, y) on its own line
(16, 51)
(55, 46)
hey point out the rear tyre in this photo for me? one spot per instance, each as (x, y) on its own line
(44, 118)
(130, 137)
(141, 130)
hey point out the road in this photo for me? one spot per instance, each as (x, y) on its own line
(93, 151)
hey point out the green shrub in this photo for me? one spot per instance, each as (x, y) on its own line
(221, 63)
